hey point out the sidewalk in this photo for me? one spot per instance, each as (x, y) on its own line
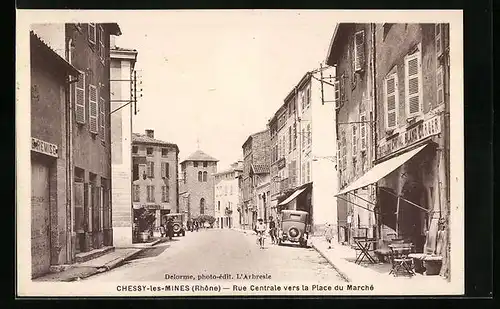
(342, 258)
(112, 259)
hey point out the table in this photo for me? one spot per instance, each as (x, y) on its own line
(364, 245)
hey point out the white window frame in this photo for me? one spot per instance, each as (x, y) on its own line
(408, 58)
(439, 77)
(363, 132)
(359, 63)
(81, 106)
(95, 104)
(91, 39)
(396, 101)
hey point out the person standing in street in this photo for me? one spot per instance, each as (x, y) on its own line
(329, 234)
(170, 228)
(272, 230)
(260, 228)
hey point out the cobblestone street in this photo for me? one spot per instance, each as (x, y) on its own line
(219, 252)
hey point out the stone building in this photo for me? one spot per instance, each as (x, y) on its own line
(409, 102)
(302, 159)
(256, 152)
(51, 239)
(197, 185)
(122, 68)
(154, 175)
(227, 196)
(86, 47)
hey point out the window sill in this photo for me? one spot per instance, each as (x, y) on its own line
(413, 122)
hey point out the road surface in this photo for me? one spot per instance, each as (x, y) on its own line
(223, 252)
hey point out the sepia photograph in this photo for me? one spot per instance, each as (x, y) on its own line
(239, 153)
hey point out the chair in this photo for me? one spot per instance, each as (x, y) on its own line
(356, 247)
(400, 260)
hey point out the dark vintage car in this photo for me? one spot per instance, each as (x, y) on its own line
(294, 227)
(178, 223)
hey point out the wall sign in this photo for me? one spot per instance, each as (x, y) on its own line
(281, 163)
(423, 130)
(153, 207)
(44, 147)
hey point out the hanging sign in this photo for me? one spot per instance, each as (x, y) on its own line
(44, 147)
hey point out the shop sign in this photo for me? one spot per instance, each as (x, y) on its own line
(152, 207)
(281, 163)
(44, 147)
(417, 133)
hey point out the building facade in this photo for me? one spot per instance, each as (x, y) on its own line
(227, 196)
(256, 152)
(154, 175)
(299, 150)
(122, 68)
(86, 47)
(198, 185)
(410, 142)
(51, 238)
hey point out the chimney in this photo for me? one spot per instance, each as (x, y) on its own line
(150, 133)
(112, 42)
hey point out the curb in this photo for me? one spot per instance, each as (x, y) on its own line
(341, 273)
(116, 262)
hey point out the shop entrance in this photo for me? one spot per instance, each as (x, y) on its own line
(412, 219)
(40, 219)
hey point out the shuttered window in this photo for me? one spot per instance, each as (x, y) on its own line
(137, 193)
(413, 85)
(92, 33)
(391, 101)
(80, 98)
(165, 194)
(344, 150)
(79, 207)
(102, 118)
(93, 117)
(101, 43)
(439, 85)
(439, 40)
(151, 194)
(151, 169)
(359, 50)
(354, 135)
(362, 133)
(294, 138)
(165, 170)
(339, 157)
(337, 93)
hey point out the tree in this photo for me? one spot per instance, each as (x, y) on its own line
(206, 218)
(145, 219)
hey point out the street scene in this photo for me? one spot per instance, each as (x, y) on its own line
(207, 147)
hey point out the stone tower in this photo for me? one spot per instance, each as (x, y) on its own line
(197, 185)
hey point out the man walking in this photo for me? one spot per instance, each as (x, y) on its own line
(272, 230)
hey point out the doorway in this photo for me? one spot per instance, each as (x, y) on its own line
(40, 219)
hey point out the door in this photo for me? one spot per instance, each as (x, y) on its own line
(40, 219)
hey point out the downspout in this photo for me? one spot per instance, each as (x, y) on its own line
(373, 119)
(69, 154)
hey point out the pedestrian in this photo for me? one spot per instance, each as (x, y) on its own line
(272, 230)
(163, 231)
(260, 229)
(170, 228)
(329, 234)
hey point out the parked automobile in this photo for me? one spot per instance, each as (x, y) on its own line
(177, 222)
(294, 227)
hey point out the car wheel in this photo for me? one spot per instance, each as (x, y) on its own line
(183, 233)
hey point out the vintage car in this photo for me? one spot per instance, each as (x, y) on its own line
(294, 227)
(178, 223)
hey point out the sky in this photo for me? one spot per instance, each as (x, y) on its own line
(216, 77)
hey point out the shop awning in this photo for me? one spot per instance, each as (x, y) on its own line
(291, 197)
(380, 170)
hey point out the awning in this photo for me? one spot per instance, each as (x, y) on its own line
(291, 197)
(380, 170)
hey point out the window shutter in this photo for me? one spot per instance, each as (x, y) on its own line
(163, 193)
(92, 33)
(167, 170)
(412, 85)
(163, 170)
(337, 93)
(93, 118)
(80, 98)
(440, 86)
(101, 208)
(359, 50)
(101, 43)
(102, 119)
(90, 211)
(362, 119)
(152, 169)
(79, 207)
(439, 40)
(339, 158)
(391, 101)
